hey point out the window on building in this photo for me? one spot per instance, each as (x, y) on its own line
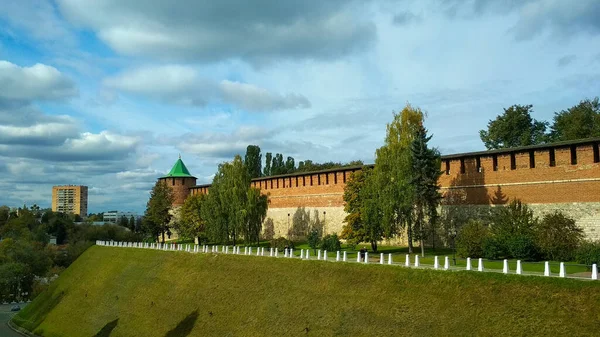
(478, 163)
(173, 181)
(271, 183)
(531, 159)
(596, 153)
(552, 157)
(447, 167)
(462, 165)
(495, 162)
(513, 161)
(573, 155)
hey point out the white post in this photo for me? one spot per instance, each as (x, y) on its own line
(505, 268)
(249, 250)
(366, 257)
(245, 250)
(258, 251)
(345, 258)
(594, 272)
(301, 254)
(307, 255)
(285, 252)
(381, 258)
(276, 252)
(446, 263)
(519, 267)
(291, 253)
(468, 263)
(262, 251)
(319, 255)
(337, 256)
(480, 265)
(227, 250)
(436, 263)
(271, 252)
(407, 262)
(324, 255)
(546, 268)
(358, 257)
(562, 270)
(417, 261)
(390, 258)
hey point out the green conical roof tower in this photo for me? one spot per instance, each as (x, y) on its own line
(179, 170)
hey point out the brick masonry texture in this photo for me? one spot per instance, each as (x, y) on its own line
(561, 177)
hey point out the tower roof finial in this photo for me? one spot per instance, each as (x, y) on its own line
(180, 156)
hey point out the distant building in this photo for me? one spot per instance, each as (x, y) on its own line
(70, 199)
(115, 216)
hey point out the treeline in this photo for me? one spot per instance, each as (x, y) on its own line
(233, 210)
(26, 255)
(400, 194)
(276, 165)
(515, 127)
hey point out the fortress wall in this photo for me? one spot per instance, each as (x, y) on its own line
(563, 177)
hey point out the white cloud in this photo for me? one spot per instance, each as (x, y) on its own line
(38, 82)
(184, 85)
(214, 31)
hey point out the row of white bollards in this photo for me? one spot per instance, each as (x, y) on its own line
(322, 255)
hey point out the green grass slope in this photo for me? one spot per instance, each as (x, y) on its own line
(136, 292)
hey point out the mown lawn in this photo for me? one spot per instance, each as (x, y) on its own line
(137, 292)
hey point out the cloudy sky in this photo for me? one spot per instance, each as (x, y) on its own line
(107, 93)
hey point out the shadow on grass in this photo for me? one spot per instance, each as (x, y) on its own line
(185, 326)
(107, 329)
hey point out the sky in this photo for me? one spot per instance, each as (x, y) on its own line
(108, 93)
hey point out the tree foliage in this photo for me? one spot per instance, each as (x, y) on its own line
(514, 128)
(253, 161)
(234, 209)
(191, 224)
(579, 121)
(158, 210)
(558, 237)
(425, 174)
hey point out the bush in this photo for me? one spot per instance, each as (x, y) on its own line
(493, 249)
(588, 253)
(314, 239)
(558, 237)
(469, 242)
(522, 247)
(331, 243)
(280, 243)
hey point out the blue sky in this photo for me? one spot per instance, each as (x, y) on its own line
(108, 93)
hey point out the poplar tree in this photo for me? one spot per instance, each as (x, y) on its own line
(268, 160)
(253, 161)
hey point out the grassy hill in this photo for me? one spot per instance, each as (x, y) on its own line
(135, 292)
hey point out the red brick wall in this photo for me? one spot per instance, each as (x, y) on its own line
(181, 188)
(562, 183)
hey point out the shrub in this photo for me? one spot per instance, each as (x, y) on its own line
(314, 239)
(588, 253)
(521, 247)
(331, 243)
(513, 220)
(493, 249)
(469, 242)
(558, 237)
(280, 243)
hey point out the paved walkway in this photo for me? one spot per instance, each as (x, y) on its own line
(5, 316)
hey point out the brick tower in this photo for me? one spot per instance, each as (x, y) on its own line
(180, 180)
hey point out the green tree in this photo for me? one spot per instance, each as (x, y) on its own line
(513, 230)
(393, 174)
(577, 122)
(353, 231)
(290, 165)
(123, 222)
(191, 224)
(256, 211)
(558, 237)
(515, 127)
(425, 175)
(268, 161)
(277, 166)
(371, 212)
(158, 210)
(470, 239)
(131, 224)
(253, 161)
